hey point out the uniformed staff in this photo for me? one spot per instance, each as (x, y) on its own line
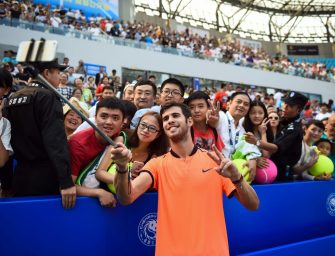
(290, 136)
(39, 140)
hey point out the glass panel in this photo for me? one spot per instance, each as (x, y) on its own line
(131, 75)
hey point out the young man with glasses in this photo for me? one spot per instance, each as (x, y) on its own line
(172, 90)
(190, 220)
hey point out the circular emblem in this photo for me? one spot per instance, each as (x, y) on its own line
(331, 204)
(292, 94)
(147, 229)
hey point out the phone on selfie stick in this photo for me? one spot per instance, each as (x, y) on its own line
(33, 52)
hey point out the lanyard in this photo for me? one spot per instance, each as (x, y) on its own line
(231, 137)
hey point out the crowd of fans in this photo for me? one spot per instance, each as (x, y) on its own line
(184, 42)
(142, 96)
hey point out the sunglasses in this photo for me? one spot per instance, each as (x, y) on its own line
(273, 117)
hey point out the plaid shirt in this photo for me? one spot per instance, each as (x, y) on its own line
(65, 91)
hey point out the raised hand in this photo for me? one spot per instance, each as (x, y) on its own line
(226, 167)
(120, 155)
(263, 126)
(212, 115)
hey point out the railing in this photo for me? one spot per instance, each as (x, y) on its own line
(103, 37)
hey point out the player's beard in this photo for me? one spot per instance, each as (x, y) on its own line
(182, 135)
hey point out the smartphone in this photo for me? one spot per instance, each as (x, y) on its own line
(48, 54)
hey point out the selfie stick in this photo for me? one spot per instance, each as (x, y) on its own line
(52, 88)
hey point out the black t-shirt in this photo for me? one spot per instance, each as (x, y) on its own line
(289, 142)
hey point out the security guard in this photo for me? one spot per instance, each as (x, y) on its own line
(39, 140)
(289, 139)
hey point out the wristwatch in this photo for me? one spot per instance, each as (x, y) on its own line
(258, 143)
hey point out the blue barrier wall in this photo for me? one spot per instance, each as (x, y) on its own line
(288, 213)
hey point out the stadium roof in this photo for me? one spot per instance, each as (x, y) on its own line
(293, 21)
(301, 7)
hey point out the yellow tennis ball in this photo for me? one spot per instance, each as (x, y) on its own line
(323, 165)
(244, 170)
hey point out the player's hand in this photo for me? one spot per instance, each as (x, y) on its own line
(226, 167)
(120, 155)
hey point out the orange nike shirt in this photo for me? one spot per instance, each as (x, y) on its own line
(190, 205)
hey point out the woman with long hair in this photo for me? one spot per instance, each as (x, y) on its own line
(256, 123)
(274, 126)
(147, 141)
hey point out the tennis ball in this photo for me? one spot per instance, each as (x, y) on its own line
(244, 170)
(323, 165)
(266, 175)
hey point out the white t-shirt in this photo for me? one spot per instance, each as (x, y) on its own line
(228, 132)
(322, 116)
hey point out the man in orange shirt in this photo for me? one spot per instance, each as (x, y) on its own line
(190, 183)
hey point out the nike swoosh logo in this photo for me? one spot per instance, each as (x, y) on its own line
(206, 170)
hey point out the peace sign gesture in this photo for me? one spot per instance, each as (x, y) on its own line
(263, 126)
(212, 115)
(226, 167)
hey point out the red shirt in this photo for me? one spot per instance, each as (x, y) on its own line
(84, 147)
(222, 97)
(205, 139)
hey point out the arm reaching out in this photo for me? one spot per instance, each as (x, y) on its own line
(127, 190)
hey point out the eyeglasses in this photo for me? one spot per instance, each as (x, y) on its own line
(174, 93)
(273, 117)
(150, 128)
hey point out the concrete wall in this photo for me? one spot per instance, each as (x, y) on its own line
(115, 56)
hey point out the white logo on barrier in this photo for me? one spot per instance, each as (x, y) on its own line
(147, 229)
(331, 204)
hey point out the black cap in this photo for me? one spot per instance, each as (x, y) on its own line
(296, 99)
(50, 64)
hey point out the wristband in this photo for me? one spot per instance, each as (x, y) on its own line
(236, 182)
(119, 171)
